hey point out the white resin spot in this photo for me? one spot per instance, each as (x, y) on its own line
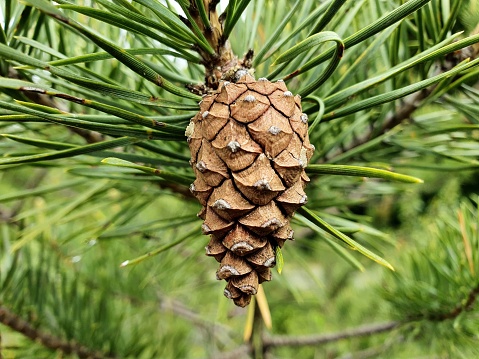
(201, 166)
(270, 262)
(226, 83)
(248, 289)
(204, 114)
(190, 129)
(262, 79)
(303, 200)
(227, 269)
(233, 146)
(192, 188)
(262, 184)
(205, 228)
(274, 130)
(239, 74)
(221, 204)
(242, 247)
(250, 98)
(303, 159)
(271, 222)
(280, 80)
(304, 118)
(227, 294)
(288, 94)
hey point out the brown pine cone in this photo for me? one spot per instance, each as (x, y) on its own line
(249, 146)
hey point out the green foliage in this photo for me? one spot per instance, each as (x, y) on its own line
(435, 289)
(94, 173)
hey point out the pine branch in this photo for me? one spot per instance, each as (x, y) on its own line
(45, 100)
(223, 59)
(240, 352)
(455, 312)
(33, 183)
(403, 113)
(374, 352)
(318, 339)
(179, 309)
(407, 107)
(22, 326)
(361, 331)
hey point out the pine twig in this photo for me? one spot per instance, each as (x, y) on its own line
(33, 183)
(20, 325)
(361, 331)
(374, 352)
(179, 309)
(407, 108)
(45, 100)
(455, 312)
(8, 215)
(242, 351)
(318, 339)
(365, 330)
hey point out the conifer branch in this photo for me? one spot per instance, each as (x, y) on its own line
(9, 215)
(180, 310)
(46, 100)
(364, 330)
(374, 352)
(455, 312)
(403, 113)
(361, 331)
(318, 339)
(239, 352)
(407, 107)
(52, 342)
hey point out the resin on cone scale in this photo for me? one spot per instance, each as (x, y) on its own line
(249, 147)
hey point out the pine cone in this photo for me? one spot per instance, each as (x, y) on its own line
(249, 146)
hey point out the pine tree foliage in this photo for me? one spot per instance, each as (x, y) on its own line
(436, 292)
(101, 252)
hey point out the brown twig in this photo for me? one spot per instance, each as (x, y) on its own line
(374, 352)
(8, 215)
(318, 339)
(295, 341)
(223, 63)
(45, 100)
(405, 111)
(20, 325)
(453, 313)
(240, 352)
(179, 309)
(361, 331)
(89, 136)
